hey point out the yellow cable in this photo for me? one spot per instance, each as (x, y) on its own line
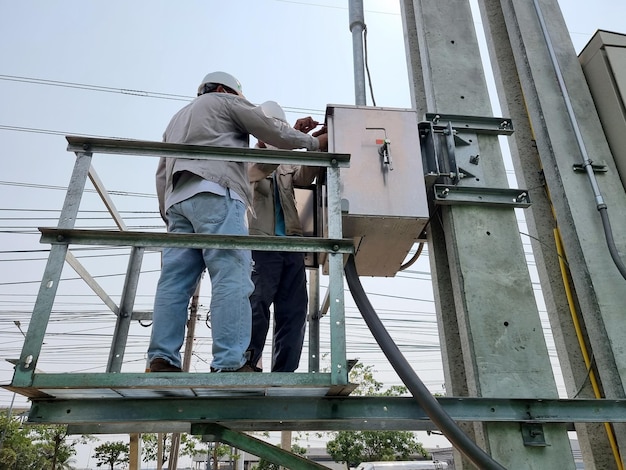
(581, 343)
(572, 308)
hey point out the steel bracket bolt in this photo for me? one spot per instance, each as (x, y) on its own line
(28, 361)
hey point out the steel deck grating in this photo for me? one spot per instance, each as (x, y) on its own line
(181, 385)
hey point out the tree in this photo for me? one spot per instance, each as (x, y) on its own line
(188, 446)
(354, 447)
(35, 447)
(111, 453)
(17, 449)
(218, 451)
(150, 447)
(53, 443)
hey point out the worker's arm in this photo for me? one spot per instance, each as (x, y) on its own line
(271, 130)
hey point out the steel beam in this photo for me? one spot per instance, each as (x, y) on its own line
(319, 413)
(339, 370)
(91, 282)
(450, 195)
(265, 450)
(192, 240)
(205, 152)
(25, 368)
(125, 313)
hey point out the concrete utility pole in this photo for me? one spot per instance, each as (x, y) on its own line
(490, 330)
(543, 89)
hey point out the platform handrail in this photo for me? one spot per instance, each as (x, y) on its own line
(65, 234)
(206, 152)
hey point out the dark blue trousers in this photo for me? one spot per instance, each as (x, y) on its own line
(279, 278)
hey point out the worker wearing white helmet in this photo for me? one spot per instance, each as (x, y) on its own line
(220, 78)
(212, 197)
(279, 277)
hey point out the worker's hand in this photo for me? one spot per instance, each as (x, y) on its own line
(323, 140)
(306, 124)
(260, 144)
(323, 130)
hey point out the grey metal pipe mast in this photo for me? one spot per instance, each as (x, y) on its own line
(357, 26)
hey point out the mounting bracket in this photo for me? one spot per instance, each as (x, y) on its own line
(533, 436)
(451, 158)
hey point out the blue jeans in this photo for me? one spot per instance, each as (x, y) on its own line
(231, 285)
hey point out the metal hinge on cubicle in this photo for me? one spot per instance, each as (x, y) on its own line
(451, 159)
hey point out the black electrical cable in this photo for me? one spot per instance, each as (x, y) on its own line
(367, 67)
(415, 257)
(430, 405)
(608, 232)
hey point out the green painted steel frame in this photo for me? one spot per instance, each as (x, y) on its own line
(25, 376)
(161, 149)
(315, 413)
(26, 366)
(192, 240)
(141, 389)
(216, 432)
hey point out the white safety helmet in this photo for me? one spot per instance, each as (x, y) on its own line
(222, 78)
(274, 110)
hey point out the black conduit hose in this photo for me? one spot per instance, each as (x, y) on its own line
(608, 232)
(429, 404)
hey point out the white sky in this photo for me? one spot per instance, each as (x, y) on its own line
(298, 53)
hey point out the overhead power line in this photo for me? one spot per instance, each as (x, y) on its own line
(51, 132)
(106, 89)
(64, 188)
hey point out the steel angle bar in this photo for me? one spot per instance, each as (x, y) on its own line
(124, 317)
(33, 342)
(127, 428)
(339, 370)
(452, 194)
(478, 124)
(235, 154)
(282, 425)
(189, 240)
(91, 282)
(265, 450)
(325, 412)
(106, 198)
(69, 382)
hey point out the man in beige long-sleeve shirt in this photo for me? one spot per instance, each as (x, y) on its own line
(201, 196)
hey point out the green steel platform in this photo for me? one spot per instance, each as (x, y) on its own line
(225, 404)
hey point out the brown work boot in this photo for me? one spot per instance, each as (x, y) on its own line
(248, 368)
(244, 368)
(161, 365)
